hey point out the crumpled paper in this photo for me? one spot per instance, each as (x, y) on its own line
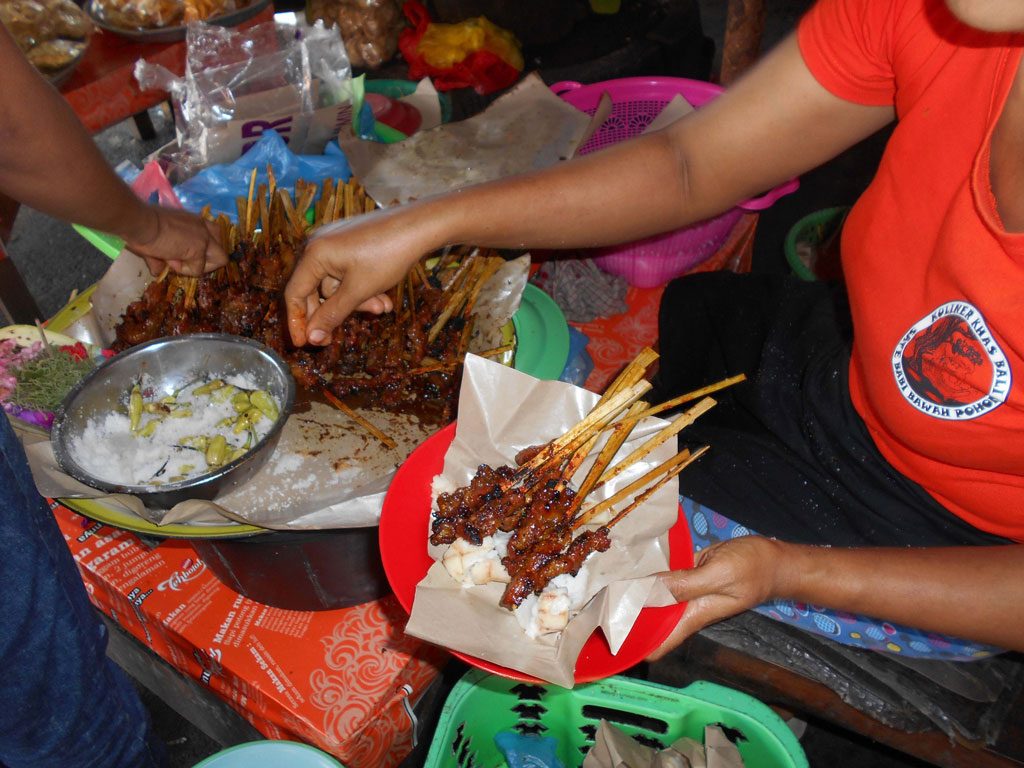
(526, 129)
(325, 472)
(502, 411)
(613, 748)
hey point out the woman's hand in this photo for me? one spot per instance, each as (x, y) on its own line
(177, 239)
(728, 578)
(348, 268)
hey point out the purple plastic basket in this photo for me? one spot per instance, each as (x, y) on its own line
(636, 101)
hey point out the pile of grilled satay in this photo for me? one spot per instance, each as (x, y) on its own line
(408, 360)
(536, 503)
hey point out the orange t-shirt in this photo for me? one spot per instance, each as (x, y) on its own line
(936, 283)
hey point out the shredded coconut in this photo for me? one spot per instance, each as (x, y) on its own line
(170, 441)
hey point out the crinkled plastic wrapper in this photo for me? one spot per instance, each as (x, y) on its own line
(326, 472)
(502, 411)
(296, 79)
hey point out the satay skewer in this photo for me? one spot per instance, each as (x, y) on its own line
(271, 181)
(250, 208)
(338, 209)
(455, 301)
(633, 372)
(337, 403)
(563, 447)
(464, 266)
(646, 494)
(694, 395)
(671, 430)
(670, 468)
(620, 433)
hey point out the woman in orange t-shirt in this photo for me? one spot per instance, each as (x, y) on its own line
(886, 429)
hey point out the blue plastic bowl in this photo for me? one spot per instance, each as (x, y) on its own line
(270, 754)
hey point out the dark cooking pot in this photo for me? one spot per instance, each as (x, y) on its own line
(300, 570)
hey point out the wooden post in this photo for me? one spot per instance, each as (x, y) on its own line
(744, 28)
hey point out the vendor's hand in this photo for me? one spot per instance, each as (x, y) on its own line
(183, 241)
(348, 271)
(729, 577)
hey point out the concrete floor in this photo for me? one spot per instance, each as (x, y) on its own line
(54, 260)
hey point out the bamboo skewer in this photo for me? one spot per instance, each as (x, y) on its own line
(694, 395)
(633, 372)
(646, 494)
(598, 417)
(338, 207)
(271, 181)
(337, 403)
(673, 428)
(456, 300)
(678, 462)
(496, 351)
(620, 433)
(250, 224)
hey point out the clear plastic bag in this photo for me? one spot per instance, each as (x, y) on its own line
(293, 78)
(369, 27)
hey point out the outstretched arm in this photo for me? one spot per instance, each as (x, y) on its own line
(49, 162)
(773, 124)
(970, 592)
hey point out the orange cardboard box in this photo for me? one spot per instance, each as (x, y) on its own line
(342, 680)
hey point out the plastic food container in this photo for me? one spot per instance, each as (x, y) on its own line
(636, 101)
(482, 705)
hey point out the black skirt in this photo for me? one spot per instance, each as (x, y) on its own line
(790, 457)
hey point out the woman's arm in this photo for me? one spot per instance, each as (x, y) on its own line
(971, 592)
(773, 124)
(49, 162)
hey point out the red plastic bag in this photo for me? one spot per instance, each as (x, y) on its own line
(153, 181)
(482, 70)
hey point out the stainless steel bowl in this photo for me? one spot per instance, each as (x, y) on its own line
(174, 362)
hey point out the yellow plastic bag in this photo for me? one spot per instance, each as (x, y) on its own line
(445, 45)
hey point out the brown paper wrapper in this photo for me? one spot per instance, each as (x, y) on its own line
(526, 129)
(502, 411)
(614, 748)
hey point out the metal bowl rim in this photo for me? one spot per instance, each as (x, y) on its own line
(58, 435)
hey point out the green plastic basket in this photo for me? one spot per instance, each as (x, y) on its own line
(482, 705)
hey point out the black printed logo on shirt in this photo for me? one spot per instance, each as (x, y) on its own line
(948, 365)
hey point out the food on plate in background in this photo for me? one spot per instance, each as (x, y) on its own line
(53, 34)
(153, 438)
(157, 14)
(369, 28)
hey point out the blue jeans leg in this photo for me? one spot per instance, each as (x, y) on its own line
(63, 703)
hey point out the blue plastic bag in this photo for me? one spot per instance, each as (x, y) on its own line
(579, 364)
(219, 185)
(529, 750)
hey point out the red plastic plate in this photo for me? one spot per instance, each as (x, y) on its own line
(405, 520)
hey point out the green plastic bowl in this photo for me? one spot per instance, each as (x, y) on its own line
(482, 705)
(815, 228)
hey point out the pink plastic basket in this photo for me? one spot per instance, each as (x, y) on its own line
(636, 101)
